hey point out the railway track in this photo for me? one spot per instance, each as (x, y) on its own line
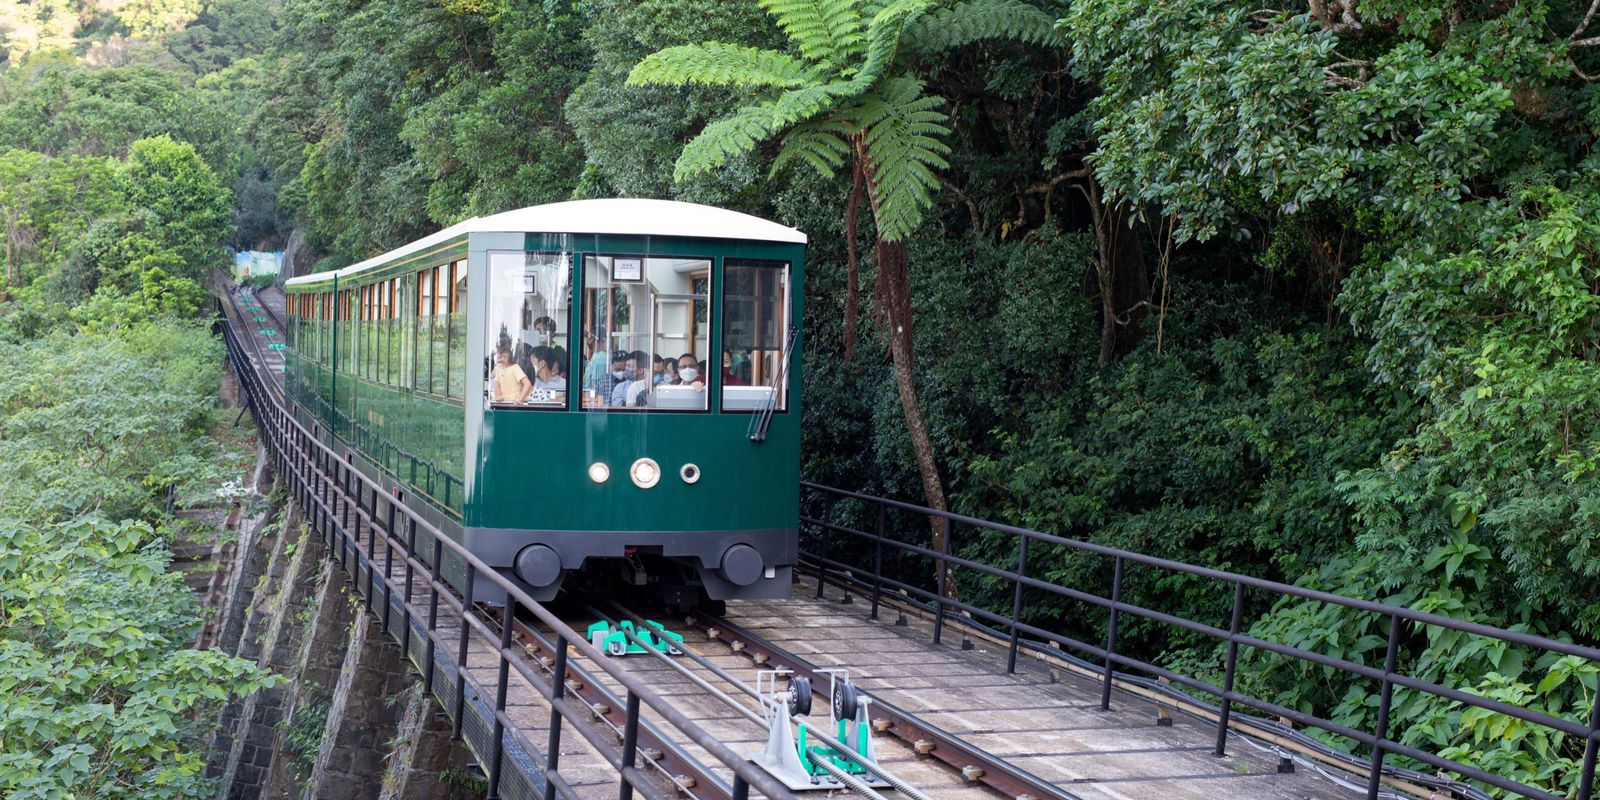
(710, 687)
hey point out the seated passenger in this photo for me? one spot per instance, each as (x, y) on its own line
(602, 383)
(511, 384)
(670, 371)
(689, 373)
(631, 392)
(729, 377)
(548, 384)
(542, 334)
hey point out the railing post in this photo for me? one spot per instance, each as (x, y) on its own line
(558, 689)
(1016, 602)
(433, 606)
(1586, 782)
(630, 746)
(944, 580)
(1229, 670)
(1375, 775)
(741, 787)
(822, 559)
(388, 579)
(877, 562)
(461, 653)
(1111, 633)
(497, 761)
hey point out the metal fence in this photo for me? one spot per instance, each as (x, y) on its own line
(879, 539)
(396, 567)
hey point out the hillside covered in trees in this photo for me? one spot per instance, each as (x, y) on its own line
(1309, 291)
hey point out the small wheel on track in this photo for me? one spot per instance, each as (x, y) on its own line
(799, 696)
(846, 700)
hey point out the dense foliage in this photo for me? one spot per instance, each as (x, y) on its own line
(114, 208)
(1310, 292)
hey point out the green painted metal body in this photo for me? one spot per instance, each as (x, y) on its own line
(490, 473)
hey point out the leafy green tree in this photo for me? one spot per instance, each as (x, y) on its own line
(44, 203)
(852, 95)
(189, 208)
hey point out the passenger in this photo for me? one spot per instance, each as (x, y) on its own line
(689, 373)
(658, 370)
(548, 384)
(670, 370)
(511, 384)
(729, 377)
(631, 392)
(605, 383)
(542, 334)
(596, 365)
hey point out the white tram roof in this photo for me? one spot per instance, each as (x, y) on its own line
(617, 216)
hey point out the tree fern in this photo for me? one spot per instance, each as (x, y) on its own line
(721, 64)
(826, 31)
(747, 127)
(903, 133)
(980, 20)
(824, 144)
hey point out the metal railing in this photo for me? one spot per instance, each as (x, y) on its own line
(388, 568)
(940, 604)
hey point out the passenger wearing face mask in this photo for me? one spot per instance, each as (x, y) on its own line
(632, 392)
(689, 372)
(606, 382)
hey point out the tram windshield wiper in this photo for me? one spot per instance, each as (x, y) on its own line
(762, 420)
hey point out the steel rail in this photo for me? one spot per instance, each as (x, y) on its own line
(282, 428)
(996, 773)
(660, 750)
(826, 737)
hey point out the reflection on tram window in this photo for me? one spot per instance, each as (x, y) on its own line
(528, 329)
(752, 361)
(640, 313)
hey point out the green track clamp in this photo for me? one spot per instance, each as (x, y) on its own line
(616, 642)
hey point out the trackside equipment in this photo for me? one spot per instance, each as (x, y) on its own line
(616, 643)
(799, 764)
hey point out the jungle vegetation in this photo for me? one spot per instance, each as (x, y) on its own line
(1309, 291)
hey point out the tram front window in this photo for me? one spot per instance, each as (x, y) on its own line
(755, 335)
(529, 316)
(640, 313)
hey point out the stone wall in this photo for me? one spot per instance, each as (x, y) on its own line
(351, 720)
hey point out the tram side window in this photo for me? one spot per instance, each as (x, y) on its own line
(755, 328)
(457, 351)
(526, 339)
(645, 332)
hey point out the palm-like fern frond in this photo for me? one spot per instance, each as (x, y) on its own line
(903, 136)
(826, 31)
(822, 143)
(740, 132)
(733, 135)
(884, 34)
(720, 64)
(980, 20)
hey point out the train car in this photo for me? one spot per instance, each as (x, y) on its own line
(510, 375)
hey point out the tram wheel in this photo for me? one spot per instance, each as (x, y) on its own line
(846, 700)
(799, 696)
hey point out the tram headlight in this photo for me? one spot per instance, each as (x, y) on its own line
(599, 472)
(645, 473)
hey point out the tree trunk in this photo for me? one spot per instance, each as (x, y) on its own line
(1123, 286)
(894, 297)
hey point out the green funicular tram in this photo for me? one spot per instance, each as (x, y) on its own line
(589, 393)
